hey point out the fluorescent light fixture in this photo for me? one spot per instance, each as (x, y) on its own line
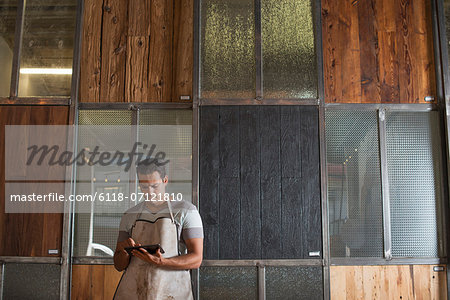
(45, 71)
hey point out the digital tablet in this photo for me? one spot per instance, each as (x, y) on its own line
(150, 248)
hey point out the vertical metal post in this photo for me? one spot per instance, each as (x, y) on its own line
(387, 242)
(258, 51)
(324, 204)
(17, 49)
(70, 176)
(2, 279)
(195, 128)
(443, 97)
(261, 282)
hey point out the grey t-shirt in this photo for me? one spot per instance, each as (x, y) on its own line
(184, 213)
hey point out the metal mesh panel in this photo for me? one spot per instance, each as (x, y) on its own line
(414, 162)
(294, 283)
(228, 283)
(354, 185)
(31, 281)
(99, 229)
(171, 132)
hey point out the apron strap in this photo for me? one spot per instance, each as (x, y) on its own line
(170, 211)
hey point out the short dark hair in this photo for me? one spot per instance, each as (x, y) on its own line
(150, 165)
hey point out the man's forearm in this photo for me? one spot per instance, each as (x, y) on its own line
(182, 262)
(121, 260)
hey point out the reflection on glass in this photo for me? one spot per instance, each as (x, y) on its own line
(47, 48)
(354, 184)
(227, 49)
(289, 61)
(414, 169)
(228, 283)
(8, 12)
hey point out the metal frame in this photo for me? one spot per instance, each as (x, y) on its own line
(387, 241)
(261, 282)
(17, 49)
(368, 261)
(195, 274)
(30, 260)
(2, 278)
(132, 105)
(443, 94)
(258, 101)
(68, 220)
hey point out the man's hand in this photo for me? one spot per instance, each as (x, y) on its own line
(155, 259)
(129, 242)
(191, 260)
(121, 257)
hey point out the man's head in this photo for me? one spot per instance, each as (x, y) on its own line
(152, 176)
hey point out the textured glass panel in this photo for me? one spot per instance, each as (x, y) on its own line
(354, 185)
(294, 283)
(47, 48)
(96, 232)
(225, 283)
(8, 12)
(31, 281)
(227, 49)
(414, 170)
(289, 61)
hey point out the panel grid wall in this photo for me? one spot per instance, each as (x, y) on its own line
(414, 172)
(354, 184)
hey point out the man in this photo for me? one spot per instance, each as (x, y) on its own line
(175, 225)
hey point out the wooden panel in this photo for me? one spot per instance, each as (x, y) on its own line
(268, 201)
(250, 210)
(311, 212)
(388, 282)
(114, 46)
(209, 179)
(29, 234)
(270, 182)
(160, 60)
(94, 281)
(183, 49)
(377, 51)
(90, 52)
(137, 51)
(136, 82)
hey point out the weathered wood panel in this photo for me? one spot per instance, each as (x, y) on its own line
(113, 55)
(209, 181)
(270, 182)
(29, 234)
(377, 51)
(259, 184)
(137, 51)
(94, 281)
(90, 52)
(161, 43)
(183, 49)
(388, 282)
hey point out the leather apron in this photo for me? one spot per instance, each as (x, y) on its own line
(143, 280)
